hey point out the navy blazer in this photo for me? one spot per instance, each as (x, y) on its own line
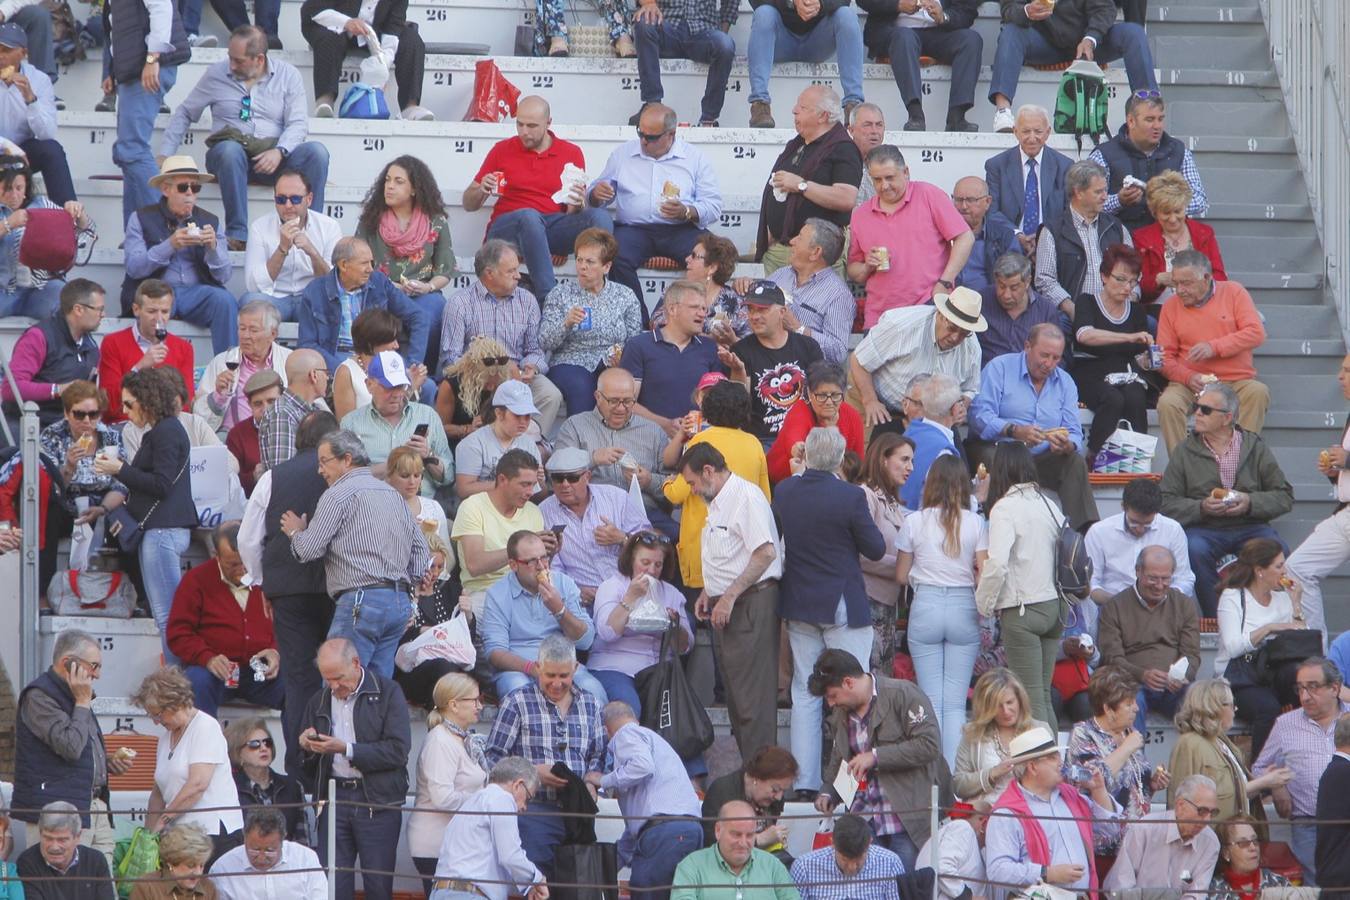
(320, 317)
(825, 524)
(1003, 174)
(1332, 855)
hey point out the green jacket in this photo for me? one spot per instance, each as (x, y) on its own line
(1193, 472)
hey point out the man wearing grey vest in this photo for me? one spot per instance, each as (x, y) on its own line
(302, 611)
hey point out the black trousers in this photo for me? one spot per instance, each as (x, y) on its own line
(331, 49)
(300, 623)
(1109, 404)
(1259, 706)
(1136, 11)
(363, 833)
(960, 49)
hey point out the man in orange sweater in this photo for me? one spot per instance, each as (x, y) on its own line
(1207, 333)
(220, 628)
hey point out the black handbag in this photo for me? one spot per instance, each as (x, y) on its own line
(1262, 667)
(126, 528)
(669, 705)
(590, 864)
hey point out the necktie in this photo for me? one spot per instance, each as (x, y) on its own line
(1031, 201)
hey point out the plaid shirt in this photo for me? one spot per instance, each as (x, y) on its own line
(700, 15)
(874, 881)
(1047, 260)
(869, 802)
(1199, 204)
(528, 724)
(1228, 461)
(514, 321)
(1301, 744)
(276, 431)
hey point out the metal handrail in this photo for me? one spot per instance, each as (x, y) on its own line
(29, 515)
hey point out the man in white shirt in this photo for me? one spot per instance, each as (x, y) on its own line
(481, 854)
(288, 250)
(742, 562)
(266, 866)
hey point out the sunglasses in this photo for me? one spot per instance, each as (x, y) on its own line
(258, 744)
(569, 477)
(1147, 95)
(85, 415)
(496, 360)
(246, 109)
(1205, 410)
(651, 539)
(292, 199)
(185, 187)
(652, 138)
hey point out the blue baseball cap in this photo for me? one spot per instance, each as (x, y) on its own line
(387, 368)
(11, 35)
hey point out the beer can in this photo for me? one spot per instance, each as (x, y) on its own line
(232, 681)
(585, 324)
(1155, 356)
(885, 254)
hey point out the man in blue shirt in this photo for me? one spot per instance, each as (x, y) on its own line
(1013, 307)
(1026, 397)
(667, 362)
(529, 604)
(28, 114)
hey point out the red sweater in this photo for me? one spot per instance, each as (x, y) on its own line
(206, 620)
(119, 352)
(797, 424)
(1149, 242)
(242, 441)
(1229, 322)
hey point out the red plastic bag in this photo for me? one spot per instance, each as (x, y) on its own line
(494, 98)
(902, 667)
(824, 833)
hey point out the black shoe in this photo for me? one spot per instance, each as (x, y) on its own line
(633, 120)
(60, 104)
(959, 125)
(803, 795)
(274, 43)
(164, 109)
(107, 104)
(916, 123)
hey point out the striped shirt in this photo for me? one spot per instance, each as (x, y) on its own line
(640, 438)
(528, 724)
(1228, 460)
(363, 530)
(874, 881)
(1199, 204)
(1047, 260)
(513, 320)
(740, 521)
(824, 304)
(903, 344)
(589, 563)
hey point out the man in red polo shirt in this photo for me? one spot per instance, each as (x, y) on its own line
(524, 173)
(145, 345)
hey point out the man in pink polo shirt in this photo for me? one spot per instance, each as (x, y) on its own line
(908, 242)
(524, 173)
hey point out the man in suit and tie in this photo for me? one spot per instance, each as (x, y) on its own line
(1333, 805)
(825, 525)
(1026, 182)
(1328, 547)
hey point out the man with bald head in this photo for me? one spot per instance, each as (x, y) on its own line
(1026, 182)
(685, 29)
(732, 861)
(1148, 628)
(306, 384)
(524, 173)
(994, 235)
(662, 192)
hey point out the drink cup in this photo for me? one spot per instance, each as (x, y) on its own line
(885, 254)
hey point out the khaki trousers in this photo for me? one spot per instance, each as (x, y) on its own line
(1174, 406)
(100, 835)
(747, 651)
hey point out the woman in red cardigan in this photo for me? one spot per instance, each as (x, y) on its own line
(822, 407)
(1168, 196)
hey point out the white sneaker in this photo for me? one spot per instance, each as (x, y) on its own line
(202, 40)
(418, 114)
(323, 111)
(1004, 120)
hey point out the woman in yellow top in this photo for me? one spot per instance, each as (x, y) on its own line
(725, 413)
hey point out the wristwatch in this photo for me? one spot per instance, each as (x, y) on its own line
(560, 613)
(151, 59)
(801, 187)
(947, 284)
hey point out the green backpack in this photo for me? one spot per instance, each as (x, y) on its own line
(1081, 103)
(133, 858)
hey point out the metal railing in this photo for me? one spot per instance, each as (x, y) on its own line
(1310, 47)
(27, 442)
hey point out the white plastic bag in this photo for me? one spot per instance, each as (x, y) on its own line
(649, 616)
(448, 640)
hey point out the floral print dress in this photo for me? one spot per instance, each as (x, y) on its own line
(1131, 787)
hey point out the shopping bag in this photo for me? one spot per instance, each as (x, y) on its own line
(494, 98)
(824, 833)
(593, 864)
(669, 705)
(48, 242)
(1126, 451)
(107, 595)
(449, 641)
(135, 857)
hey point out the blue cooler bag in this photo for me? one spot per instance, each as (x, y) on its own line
(362, 101)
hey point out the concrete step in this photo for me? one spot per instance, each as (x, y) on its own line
(1249, 51)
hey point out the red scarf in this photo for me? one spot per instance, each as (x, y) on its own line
(1038, 848)
(1248, 886)
(404, 243)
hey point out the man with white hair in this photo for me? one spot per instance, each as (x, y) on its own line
(481, 855)
(1171, 848)
(826, 527)
(942, 408)
(1026, 182)
(55, 869)
(220, 396)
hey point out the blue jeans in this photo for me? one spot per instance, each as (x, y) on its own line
(1019, 45)
(944, 639)
(540, 235)
(1209, 545)
(232, 167)
(506, 682)
(210, 307)
(190, 11)
(287, 306)
(619, 686)
(577, 385)
(161, 557)
(771, 42)
(208, 691)
(1164, 702)
(39, 303)
(373, 619)
(808, 640)
(136, 111)
(49, 158)
(666, 41)
(902, 845)
(658, 850)
(540, 834)
(1303, 841)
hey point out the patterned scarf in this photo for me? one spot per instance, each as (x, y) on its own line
(475, 744)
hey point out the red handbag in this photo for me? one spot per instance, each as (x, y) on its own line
(48, 242)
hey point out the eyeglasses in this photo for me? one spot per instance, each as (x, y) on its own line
(619, 401)
(91, 666)
(533, 562)
(476, 700)
(701, 257)
(828, 397)
(184, 187)
(85, 415)
(259, 743)
(959, 201)
(496, 360)
(292, 199)
(569, 477)
(1244, 843)
(245, 109)
(1309, 687)
(651, 538)
(652, 138)
(101, 310)
(323, 460)
(1204, 812)
(1205, 410)
(1130, 280)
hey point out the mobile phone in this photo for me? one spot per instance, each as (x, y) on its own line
(558, 529)
(421, 430)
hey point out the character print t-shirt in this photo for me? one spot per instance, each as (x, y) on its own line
(777, 379)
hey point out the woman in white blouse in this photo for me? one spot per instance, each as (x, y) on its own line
(451, 766)
(1257, 602)
(1018, 579)
(941, 549)
(192, 760)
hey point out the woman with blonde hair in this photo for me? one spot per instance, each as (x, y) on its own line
(1203, 748)
(941, 549)
(451, 766)
(404, 470)
(1000, 711)
(464, 399)
(1168, 197)
(184, 851)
